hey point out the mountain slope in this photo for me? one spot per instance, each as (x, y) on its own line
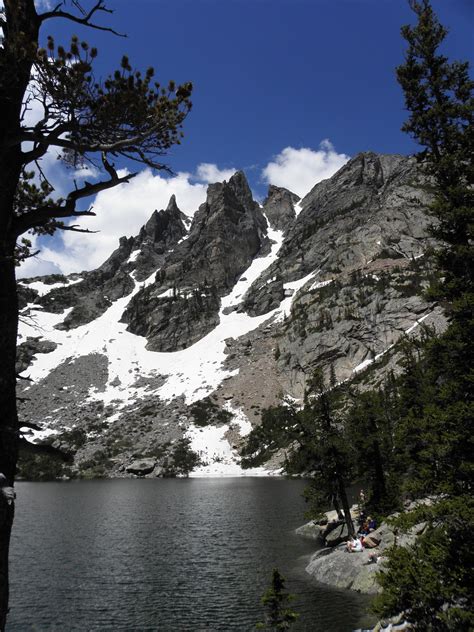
(190, 334)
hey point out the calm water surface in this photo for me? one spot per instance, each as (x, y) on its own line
(167, 554)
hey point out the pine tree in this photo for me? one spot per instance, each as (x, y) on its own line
(370, 424)
(439, 97)
(276, 600)
(329, 447)
(431, 582)
(127, 116)
(315, 445)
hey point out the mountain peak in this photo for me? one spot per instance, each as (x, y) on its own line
(240, 187)
(173, 206)
(278, 206)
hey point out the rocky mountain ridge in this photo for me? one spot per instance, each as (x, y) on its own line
(187, 334)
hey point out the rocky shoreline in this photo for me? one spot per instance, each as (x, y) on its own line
(334, 566)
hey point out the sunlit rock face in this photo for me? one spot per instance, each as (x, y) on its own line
(188, 334)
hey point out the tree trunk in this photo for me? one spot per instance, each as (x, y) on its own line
(20, 44)
(379, 486)
(337, 506)
(345, 505)
(8, 416)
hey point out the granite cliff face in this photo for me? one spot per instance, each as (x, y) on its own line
(188, 334)
(92, 293)
(182, 305)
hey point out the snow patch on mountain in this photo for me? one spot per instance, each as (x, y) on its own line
(218, 457)
(193, 372)
(133, 256)
(298, 208)
(45, 288)
(367, 362)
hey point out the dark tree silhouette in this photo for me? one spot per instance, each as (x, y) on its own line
(127, 116)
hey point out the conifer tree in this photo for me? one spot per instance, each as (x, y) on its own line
(127, 116)
(430, 583)
(276, 601)
(370, 423)
(439, 98)
(315, 445)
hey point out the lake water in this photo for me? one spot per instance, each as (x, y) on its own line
(167, 554)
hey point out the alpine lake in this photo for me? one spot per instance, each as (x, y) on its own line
(171, 555)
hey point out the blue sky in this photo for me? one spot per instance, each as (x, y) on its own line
(273, 74)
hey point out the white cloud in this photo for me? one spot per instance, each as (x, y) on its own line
(36, 266)
(43, 5)
(122, 211)
(210, 173)
(300, 169)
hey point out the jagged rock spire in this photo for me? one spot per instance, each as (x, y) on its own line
(278, 206)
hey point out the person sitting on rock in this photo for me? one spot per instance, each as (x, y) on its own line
(354, 545)
(364, 530)
(371, 524)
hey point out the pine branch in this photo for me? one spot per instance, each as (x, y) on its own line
(53, 140)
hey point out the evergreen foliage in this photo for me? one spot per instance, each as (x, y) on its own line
(181, 460)
(370, 424)
(314, 443)
(128, 116)
(431, 582)
(276, 600)
(439, 98)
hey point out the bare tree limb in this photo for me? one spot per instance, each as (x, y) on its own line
(42, 215)
(75, 229)
(52, 139)
(85, 20)
(143, 159)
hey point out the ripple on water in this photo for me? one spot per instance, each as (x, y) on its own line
(168, 554)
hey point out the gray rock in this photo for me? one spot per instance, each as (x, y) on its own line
(374, 205)
(335, 534)
(278, 206)
(97, 290)
(227, 232)
(341, 569)
(26, 351)
(310, 530)
(141, 467)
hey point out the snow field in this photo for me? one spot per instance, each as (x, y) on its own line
(193, 372)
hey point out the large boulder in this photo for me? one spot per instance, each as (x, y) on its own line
(335, 533)
(141, 467)
(341, 569)
(310, 530)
